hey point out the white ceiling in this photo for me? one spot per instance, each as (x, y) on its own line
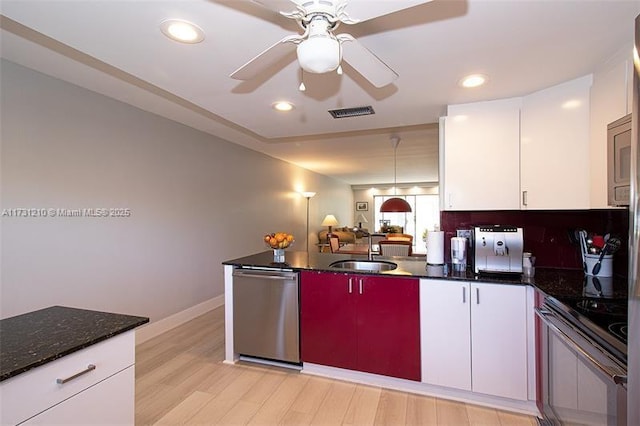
(116, 48)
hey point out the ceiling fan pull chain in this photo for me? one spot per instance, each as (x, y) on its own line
(302, 87)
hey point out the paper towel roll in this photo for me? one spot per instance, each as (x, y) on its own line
(435, 247)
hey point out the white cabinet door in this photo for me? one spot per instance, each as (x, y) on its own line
(110, 402)
(554, 164)
(445, 333)
(499, 340)
(481, 150)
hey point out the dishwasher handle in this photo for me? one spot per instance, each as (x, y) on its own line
(266, 275)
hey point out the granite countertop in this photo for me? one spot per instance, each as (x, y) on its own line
(36, 338)
(552, 282)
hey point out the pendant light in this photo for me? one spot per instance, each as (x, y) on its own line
(395, 204)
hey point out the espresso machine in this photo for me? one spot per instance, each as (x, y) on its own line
(497, 249)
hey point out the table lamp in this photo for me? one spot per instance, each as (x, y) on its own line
(329, 220)
(361, 219)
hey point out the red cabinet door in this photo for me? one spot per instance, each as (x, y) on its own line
(389, 327)
(328, 319)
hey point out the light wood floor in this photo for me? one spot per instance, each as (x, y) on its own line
(181, 380)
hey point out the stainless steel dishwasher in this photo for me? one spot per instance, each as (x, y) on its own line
(266, 314)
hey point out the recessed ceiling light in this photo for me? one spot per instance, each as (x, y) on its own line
(182, 31)
(473, 80)
(571, 104)
(283, 106)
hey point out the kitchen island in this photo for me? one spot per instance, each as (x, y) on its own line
(62, 364)
(473, 336)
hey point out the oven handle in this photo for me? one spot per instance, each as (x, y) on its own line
(547, 317)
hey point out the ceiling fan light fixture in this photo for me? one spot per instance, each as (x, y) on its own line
(319, 54)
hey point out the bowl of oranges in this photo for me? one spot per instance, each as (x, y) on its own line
(279, 241)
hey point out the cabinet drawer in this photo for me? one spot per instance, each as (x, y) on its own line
(34, 391)
(110, 402)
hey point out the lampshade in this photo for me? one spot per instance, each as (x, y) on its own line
(362, 218)
(395, 205)
(308, 194)
(329, 220)
(319, 54)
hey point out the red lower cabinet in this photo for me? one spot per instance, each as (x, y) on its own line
(327, 320)
(361, 322)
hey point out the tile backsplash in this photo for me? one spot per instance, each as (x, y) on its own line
(547, 232)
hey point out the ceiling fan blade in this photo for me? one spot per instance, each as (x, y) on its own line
(267, 58)
(366, 62)
(363, 10)
(279, 5)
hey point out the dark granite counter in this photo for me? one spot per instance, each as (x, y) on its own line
(36, 338)
(552, 282)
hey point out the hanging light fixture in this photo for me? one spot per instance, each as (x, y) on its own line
(395, 204)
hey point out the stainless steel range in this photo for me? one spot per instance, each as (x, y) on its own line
(583, 356)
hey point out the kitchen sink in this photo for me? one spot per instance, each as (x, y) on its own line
(364, 265)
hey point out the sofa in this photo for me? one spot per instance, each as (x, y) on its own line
(345, 235)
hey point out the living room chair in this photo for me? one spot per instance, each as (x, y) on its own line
(394, 248)
(400, 237)
(334, 244)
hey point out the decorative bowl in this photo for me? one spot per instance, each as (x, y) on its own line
(278, 241)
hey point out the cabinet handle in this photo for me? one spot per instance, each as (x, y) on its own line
(350, 285)
(525, 198)
(477, 296)
(360, 281)
(464, 295)
(90, 367)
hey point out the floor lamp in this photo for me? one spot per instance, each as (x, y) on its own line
(308, 196)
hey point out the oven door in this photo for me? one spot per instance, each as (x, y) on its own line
(581, 383)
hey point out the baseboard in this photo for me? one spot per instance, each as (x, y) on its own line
(153, 329)
(467, 397)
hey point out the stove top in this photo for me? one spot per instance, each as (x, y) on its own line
(608, 314)
(603, 319)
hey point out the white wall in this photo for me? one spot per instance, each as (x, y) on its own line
(195, 201)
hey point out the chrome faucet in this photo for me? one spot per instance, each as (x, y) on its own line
(369, 248)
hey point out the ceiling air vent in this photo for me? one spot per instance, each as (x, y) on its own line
(351, 112)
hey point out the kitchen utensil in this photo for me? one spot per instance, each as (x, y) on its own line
(598, 241)
(610, 247)
(583, 248)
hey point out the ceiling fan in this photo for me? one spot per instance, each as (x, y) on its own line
(318, 49)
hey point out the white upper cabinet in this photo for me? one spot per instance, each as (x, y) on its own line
(554, 143)
(481, 156)
(519, 153)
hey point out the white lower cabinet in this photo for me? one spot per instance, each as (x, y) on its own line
(93, 386)
(110, 402)
(474, 337)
